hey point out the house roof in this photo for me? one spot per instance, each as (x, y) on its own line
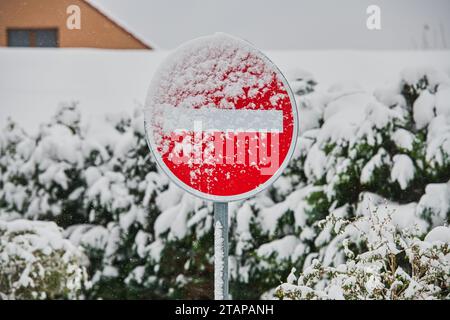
(121, 24)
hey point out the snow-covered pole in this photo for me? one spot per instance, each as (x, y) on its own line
(220, 250)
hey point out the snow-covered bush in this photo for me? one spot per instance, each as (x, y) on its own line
(356, 149)
(36, 262)
(77, 175)
(395, 264)
(146, 238)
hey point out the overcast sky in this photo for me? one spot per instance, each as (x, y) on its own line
(288, 24)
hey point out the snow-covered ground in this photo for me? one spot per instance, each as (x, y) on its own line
(34, 81)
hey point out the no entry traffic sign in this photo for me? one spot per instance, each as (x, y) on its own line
(220, 118)
(221, 122)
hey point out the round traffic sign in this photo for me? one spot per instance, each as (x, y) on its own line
(220, 118)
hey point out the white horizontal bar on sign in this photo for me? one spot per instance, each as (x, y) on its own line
(212, 119)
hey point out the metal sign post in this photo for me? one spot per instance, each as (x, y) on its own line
(220, 250)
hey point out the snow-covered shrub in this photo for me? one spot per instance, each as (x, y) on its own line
(395, 264)
(356, 149)
(41, 175)
(96, 174)
(36, 262)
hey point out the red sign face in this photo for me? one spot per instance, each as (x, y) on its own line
(220, 118)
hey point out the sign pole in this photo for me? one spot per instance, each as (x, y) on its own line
(220, 250)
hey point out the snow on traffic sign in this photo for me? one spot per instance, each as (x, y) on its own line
(220, 118)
